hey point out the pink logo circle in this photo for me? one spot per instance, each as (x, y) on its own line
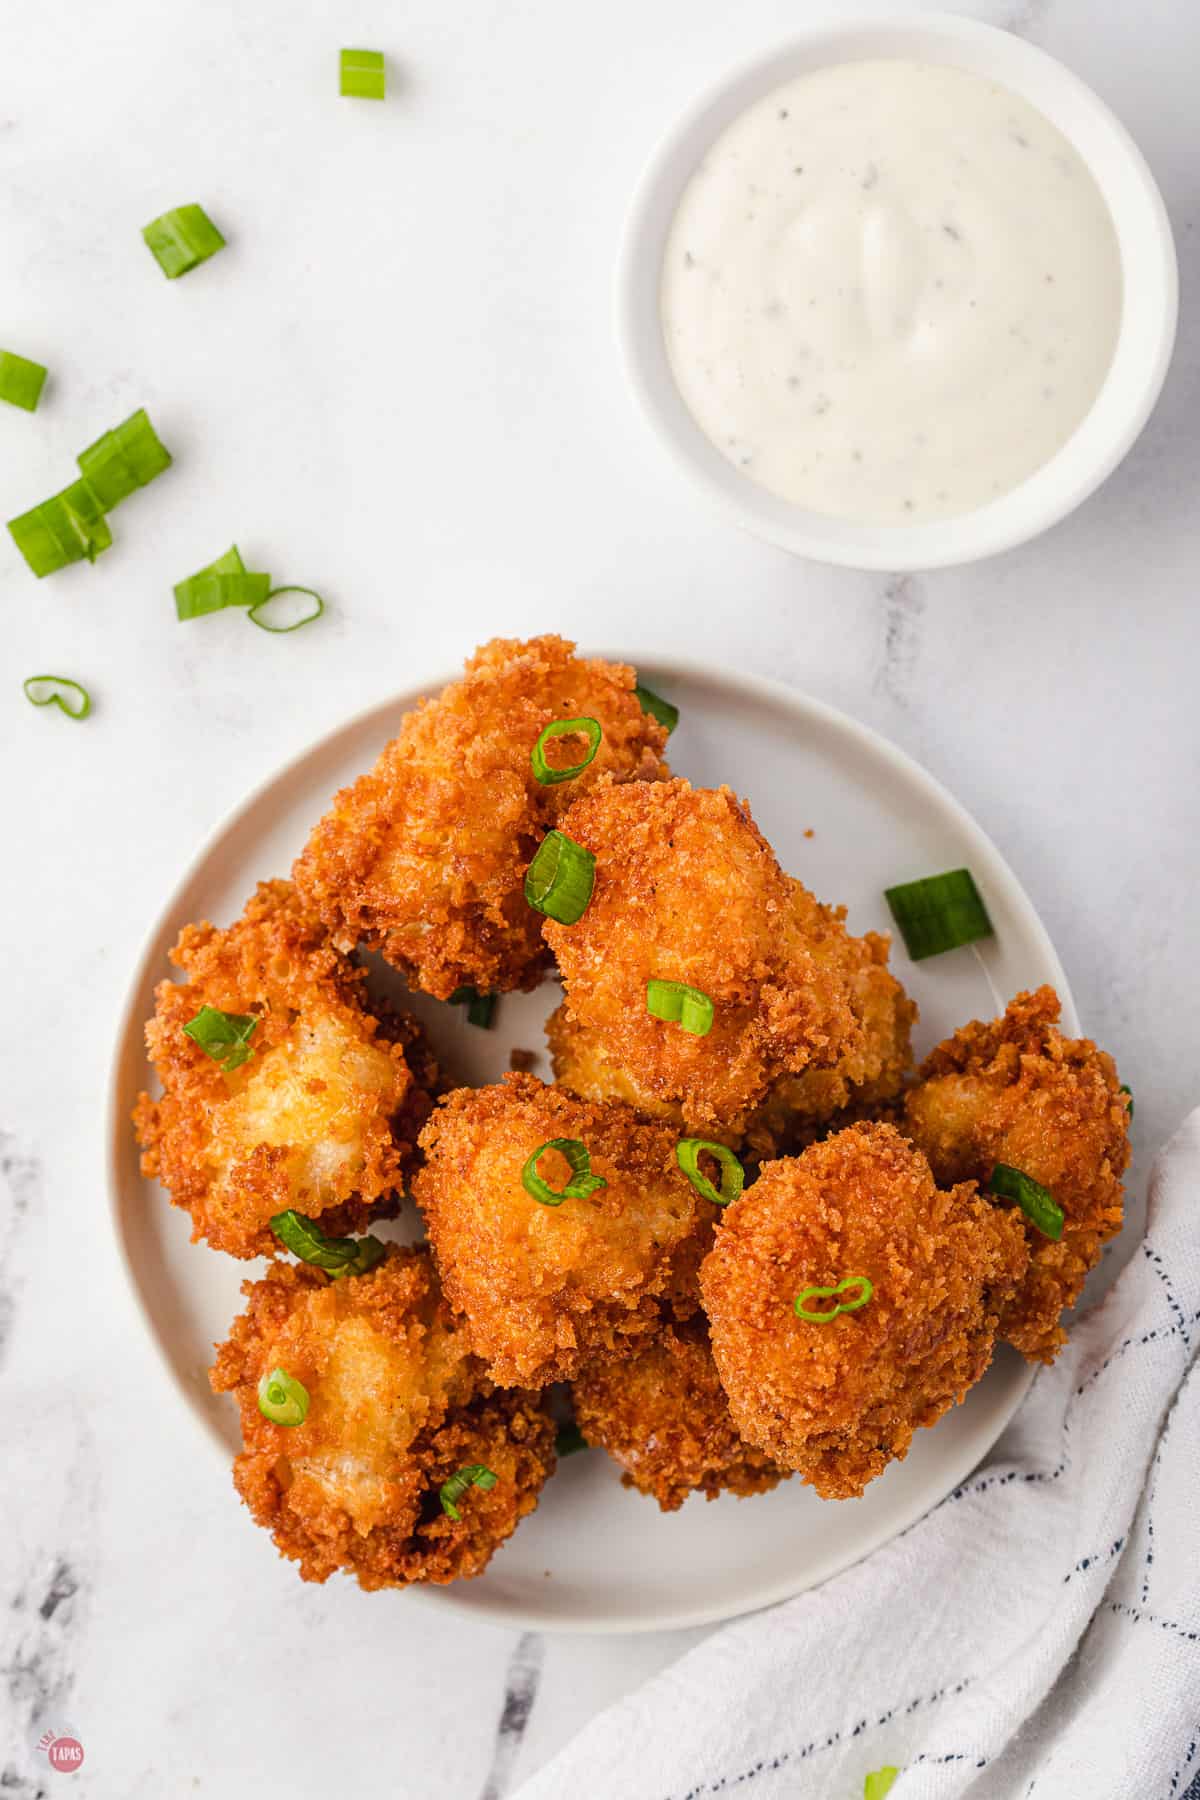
(66, 1754)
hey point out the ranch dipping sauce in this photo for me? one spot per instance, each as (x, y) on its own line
(891, 291)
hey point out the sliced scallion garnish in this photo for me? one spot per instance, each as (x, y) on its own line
(225, 582)
(123, 460)
(559, 880)
(1036, 1202)
(688, 1152)
(363, 75)
(569, 1440)
(303, 616)
(582, 1181)
(1128, 1092)
(680, 1004)
(822, 1316)
(474, 1475)
(66, 529)
(56, 690)
(658, 708)
(282, 1399)
(481, 1008)
(182, 239)
(878, 1784)
(21, 381)
(337, 1256)
(940, 912)
(225, 1037)
(582, 727)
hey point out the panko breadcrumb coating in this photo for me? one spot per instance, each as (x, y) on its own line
(839, 1399)
(544, 1288)
(397, 1405)
(424, 857)
(323, 1117)
(687, 889)
(1016, 1091)
(869, 1071)
(663, 1416)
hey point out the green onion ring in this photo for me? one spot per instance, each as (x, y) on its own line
(938, 913)
(56, 699)
(569, 1440)
(337, 1256)
(585, 726)
(282, 630)
(733, 1176)
(474, 1475)
(1128, 1092)
(659, 709)
(225, 1037)
(680, 1004)
(282, 1399)
(21, 380)
(1036, 1202)
(827, 1293)
(581, 1184)
(560, 879)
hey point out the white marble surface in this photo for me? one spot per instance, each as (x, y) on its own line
(399, 384)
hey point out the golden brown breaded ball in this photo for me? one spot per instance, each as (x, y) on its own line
(1016, 1091)
(688, 890)
(424, 857)
(839, 1398)
(396, 1407)
(545, 1287)
(323, 1117)
(869, 1071)
(663, 1416)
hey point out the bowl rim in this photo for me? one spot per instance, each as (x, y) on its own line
(149, 966)
(1146, 333)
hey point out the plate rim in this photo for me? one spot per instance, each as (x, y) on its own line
(665, 666)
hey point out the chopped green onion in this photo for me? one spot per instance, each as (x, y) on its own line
(1128, 1091)
(569, 1440)
(733, 1177)
(680, 1004)
(61, 688)
(182, 239)
(800, 1308)
(225, 1037)
(63, 530)
(480, 1007)
(585, 727)
(124, 459)
(304, 618)
(21, 381)
(474, 1475)
(363, 75)
(282, 1399)
(582, 1181)
(659, 709)
(225, 582)
(337, 1256)
(878, 1784)
(559, 880)
(939, 913)
(1036, 1202)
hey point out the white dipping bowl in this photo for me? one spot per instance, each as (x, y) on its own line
(1144, 342)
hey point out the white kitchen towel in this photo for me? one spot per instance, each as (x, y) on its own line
(1036, 1635)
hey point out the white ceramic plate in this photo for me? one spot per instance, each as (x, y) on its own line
(595, 1556)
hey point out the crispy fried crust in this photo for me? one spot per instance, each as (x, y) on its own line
(687, 889)
(424, 858)
(839, 1400)
(869, 1072)
(396, 1406)
(663, 1416)
(325, 1114)
(543, 1288)
(1016, 1091)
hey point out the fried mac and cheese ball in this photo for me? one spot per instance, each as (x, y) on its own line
(1016, 1091)
(663, 1416)
(543, 1288)
(396, 1407)
(869, 1071)
(839, 1398)
(688, 890)
(424, 857)
(322, 1117)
